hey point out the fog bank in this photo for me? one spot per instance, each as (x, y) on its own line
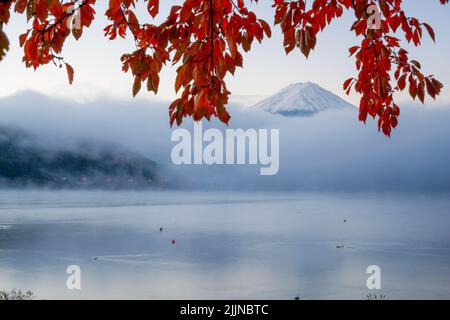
(329, 151)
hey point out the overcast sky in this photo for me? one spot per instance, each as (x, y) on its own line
(267, 69)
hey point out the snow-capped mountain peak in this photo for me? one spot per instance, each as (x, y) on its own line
(302, 99)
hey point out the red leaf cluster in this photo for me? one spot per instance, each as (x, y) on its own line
(205, 40)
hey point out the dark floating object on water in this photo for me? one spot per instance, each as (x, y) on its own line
(95, 258)
(173, 242)
(161, 229)
(297, 298)
(340, 247)
(345, 220)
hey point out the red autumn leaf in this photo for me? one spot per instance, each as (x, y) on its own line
(352, 50)
(347, 84)
(153, 7)
(4, 45)
(430, 31)
(70, 72)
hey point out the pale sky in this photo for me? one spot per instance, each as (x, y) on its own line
(266, 69)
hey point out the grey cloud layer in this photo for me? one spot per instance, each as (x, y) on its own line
(330, 151)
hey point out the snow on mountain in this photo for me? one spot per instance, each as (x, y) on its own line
(302, 99)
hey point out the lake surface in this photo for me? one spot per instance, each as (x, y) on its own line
(227, 245)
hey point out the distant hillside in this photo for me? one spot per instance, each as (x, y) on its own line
(91, 165)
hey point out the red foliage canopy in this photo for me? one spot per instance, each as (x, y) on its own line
(206, 38)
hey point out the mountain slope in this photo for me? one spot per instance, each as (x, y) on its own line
(302, 99)
(24, 163)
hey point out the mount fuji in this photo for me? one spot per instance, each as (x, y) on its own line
(302, 99)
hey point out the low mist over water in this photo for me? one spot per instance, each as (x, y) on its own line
(330, 151)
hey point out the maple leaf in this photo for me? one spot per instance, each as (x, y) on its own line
(4, 45)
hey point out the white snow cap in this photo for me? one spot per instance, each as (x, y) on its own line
(302, 99)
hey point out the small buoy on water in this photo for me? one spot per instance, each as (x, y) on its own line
(173, 241)
(161, 229)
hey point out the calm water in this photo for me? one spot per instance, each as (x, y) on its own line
(228, 245)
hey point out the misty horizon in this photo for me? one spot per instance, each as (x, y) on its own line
(330, 151)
